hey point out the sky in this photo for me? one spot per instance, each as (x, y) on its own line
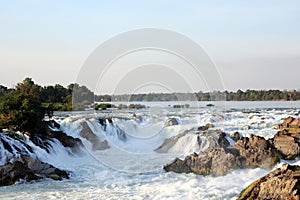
(253, 44)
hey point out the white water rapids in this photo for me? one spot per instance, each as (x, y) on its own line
(130, 168)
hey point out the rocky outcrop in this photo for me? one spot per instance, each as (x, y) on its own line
(171, 122)
(88, 134)
(283, 183)
(287, 143)
(29, 169)
(11, 173)
(255, 151)
(213, 161)
(219, 160)
(170, 142)
(206, 127)
(205, 139)
(287, 140)
(290, 123)
(44, 169)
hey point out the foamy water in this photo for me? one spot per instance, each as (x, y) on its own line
(131, 169)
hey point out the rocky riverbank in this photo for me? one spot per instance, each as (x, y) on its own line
(282, 183)
(249, 152)
(19, 162)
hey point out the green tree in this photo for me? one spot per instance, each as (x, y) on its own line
(21, 109)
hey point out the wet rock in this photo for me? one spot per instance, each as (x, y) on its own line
(66, 140)
(235, 136)
(220, 159)
(283, 183)
(29, 169)
(44, 169)
(53, 124)
(205, 139)
(11, 173)
(171, 122)
(213, 161)
(256, 152)
(170, 142)
(88, 134)
(206, 127)
(288, 144)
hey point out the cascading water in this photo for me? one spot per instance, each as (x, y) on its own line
(129, 166)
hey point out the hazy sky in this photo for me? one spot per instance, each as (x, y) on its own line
(254, 44)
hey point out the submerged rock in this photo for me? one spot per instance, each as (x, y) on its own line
(283, 183)
(88, 134)
(194, 140)
(206, 127)
(29, 168)
(171, 122)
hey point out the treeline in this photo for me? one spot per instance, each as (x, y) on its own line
(52, 97)
(24, 107)
(248, 95)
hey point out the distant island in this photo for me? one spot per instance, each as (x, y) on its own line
(77, 97)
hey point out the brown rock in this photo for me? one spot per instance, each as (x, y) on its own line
(44, 169)
(219, 160)
(88, 134)
(29, 169)
(13, 172)
(283, 183)
(214, 162)
(257, 152)
(288, 144)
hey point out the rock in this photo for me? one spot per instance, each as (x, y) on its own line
(206, 127)
(290, 124)
(235, 136)
(29, 169)
(256, 152)
(170, 142)
(282, 183)
(171, 122)
(205, 139)
(11, 173)
(53, 124)
(44, 169)
(67, 141)
(288, 144)
(220, 159)
(88, 134)
(213, 161)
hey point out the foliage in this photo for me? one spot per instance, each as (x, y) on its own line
(21, 108)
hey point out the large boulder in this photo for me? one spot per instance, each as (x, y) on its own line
(213, 161)
(11, 173)
(287, 140)
(290, 123)
(29, 168)
(283, 183)
(219, 160)
(44, 169)
(288, 144)
(256, 152)
(88, 134)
